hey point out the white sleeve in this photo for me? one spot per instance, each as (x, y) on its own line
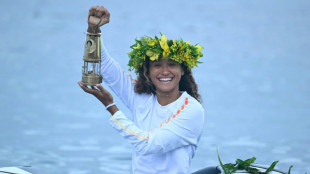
(113, 75)
(182, 129)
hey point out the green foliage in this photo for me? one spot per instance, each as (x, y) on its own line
(245, 165)
(271, 167)
(154, 48)
(228, 168)
(289, 170)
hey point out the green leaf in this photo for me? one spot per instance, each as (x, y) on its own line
(250, 160)
(169, 42)
(241, 165)
(271, 167)
(289, 170)
(228, 168)
(157, 50)
(251, 169)
(218, 157)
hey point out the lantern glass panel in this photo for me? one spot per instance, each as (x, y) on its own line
(91, 68)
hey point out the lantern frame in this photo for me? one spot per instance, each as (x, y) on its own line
(91, 70)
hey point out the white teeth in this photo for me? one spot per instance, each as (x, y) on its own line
(165, 79)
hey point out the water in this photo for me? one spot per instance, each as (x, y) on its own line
(254, 81)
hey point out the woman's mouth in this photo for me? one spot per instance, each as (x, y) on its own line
(166, 79)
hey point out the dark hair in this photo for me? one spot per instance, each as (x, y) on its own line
(145, 85)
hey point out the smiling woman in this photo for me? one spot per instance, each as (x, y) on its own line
(165, 75)
(145, 85)
(164, 102)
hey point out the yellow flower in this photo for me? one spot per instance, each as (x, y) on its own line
(142, 57)
(165, 54)
(174, 46)
(151, 42)
(149, 53)
(137, 47)
(154, 57)
(164, 46)
(181, 48)
(163, 43)
(187, 56)
(180, 53)
(199, 48)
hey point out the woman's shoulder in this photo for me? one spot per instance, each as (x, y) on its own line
(190, 107)
(192, 112)
(192, 102)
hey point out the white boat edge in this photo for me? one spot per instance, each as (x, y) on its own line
(13, 170)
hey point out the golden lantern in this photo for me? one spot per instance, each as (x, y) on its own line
(91, 70)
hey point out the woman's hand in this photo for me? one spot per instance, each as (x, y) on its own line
(97, 16)
(101, 94)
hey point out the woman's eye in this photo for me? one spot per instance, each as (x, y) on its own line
(156, 65)
(172, 64)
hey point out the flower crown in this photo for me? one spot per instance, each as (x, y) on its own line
(155, 48)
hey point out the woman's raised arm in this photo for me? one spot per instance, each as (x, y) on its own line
(113, 75)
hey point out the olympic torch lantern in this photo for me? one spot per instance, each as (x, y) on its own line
(92, 60)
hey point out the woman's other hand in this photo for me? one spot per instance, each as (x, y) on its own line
(101, 94)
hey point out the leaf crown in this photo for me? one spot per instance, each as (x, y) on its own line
(154, 48)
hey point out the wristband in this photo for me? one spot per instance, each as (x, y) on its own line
(107, 107)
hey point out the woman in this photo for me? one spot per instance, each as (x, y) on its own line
(164, 101)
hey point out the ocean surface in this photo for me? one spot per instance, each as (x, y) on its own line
(255, 81)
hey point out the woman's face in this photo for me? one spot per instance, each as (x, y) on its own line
(165, 75)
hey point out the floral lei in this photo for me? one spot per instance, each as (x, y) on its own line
(155, 48)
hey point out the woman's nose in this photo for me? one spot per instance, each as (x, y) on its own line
(165, 69)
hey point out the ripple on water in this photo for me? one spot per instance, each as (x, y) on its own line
(34, 132)
(77, 159)
(115, 166)
(244, 141)
(291, 160)
(78, 171)
(75, 126)
(119, 149)
(281, 150)
(79, 148)
(117, 160)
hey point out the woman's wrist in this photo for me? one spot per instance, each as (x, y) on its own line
(109, 105)
(113, 109)
(93, 29)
